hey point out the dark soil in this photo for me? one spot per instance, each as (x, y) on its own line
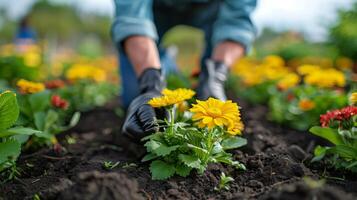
(277, 161)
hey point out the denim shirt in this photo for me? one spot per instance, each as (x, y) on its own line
(135, 17)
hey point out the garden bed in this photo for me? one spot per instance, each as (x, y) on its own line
(277, 160)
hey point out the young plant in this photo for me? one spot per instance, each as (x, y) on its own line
(224, 182)
(200, 136)
(85, 95)
(110, 165)
(301, 106)
(11, 138)
(41, 109)
(340, 128)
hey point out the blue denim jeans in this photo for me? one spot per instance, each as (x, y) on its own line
(201, 16)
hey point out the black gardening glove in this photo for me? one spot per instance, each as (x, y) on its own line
(141, 117)
(211, 81)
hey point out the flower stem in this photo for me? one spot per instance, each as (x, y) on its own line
(209, 145)
(172, 120)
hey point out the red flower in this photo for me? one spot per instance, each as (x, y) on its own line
(54, 84)
(290, 97)
(338, 115)
(58, 102)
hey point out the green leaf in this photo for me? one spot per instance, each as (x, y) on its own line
(190, 161)
(319, 153)
(40, 101)
(328, 134)
(161, 170)
(233, 142)
(152, 145)
(9, 110)
(183, 170)
(18, 131)
(10, 150)
(164, 150)
(74, 120)
(50, 120)
(160, 149)
(344, 151)
(196, 148)
(39, 118)
(149, 156)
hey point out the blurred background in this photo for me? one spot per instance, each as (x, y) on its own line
(319, 30)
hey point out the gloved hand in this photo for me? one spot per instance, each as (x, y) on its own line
(211, 81)
(141, 117)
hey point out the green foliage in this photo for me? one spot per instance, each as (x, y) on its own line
(224, 182)
(343, 153)
(13, 68)
(303, 49)
(257, 94)
(175, 81)
(181, 147)
(284, 106)
(10, 137)
(344, 33)
(85, 94)
(37, 112)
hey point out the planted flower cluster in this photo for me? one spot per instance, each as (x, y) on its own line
(306, 94)
(192, 135)
(33, 112)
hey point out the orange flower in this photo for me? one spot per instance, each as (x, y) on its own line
(306, 104)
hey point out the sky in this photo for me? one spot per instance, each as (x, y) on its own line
(310, 17)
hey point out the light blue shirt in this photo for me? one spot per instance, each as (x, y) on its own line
(233, 22)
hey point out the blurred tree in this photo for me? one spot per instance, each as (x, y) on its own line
(62, 22)
(290, 45)
(343, 34)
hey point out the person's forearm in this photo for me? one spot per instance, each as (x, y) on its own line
(228, 52)
(142, 52)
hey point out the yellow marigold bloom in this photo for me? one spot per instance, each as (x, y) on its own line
(171, 97)
(326, 78)
(32, 59)
(29, 87)
(353, 98)
(213, 112)
(288, 81)
(274, 61)
(308, 69)
(306, 104)
(237, 128)
(79, 72)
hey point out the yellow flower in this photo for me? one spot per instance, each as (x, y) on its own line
(79, 71)
(326, 78)
(171, 97)
(29, 87)
(32, 59)
(213, 112)
(307, 69)
(353, 98)
(274, 61)
(236, 129)
(306, 104)
(290, 80)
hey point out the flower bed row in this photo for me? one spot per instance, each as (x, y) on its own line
(33, 112)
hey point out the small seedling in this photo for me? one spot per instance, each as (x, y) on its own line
(129, 165)
(110, 165)
(36, 197)
(71, 140)
(224, 182)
